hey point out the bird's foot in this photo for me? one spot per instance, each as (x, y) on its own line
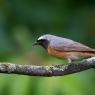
(69, 61)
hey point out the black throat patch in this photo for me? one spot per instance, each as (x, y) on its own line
(44, 43)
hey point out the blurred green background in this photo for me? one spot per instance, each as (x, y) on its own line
(22, 22)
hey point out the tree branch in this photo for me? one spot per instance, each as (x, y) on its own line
(48, 71)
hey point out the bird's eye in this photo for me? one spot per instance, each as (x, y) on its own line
(38, 40)
(41, 40)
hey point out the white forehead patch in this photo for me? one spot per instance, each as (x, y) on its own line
(46, 36)
(40, 38)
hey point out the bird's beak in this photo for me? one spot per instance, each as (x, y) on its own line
(35, 43)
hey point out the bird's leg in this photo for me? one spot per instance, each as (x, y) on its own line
(69, 60)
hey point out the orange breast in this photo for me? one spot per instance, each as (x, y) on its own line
(68, 54)
(56, 53)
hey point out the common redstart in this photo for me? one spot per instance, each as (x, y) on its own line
(64, 48)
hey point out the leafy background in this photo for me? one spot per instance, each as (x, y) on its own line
(22, 22)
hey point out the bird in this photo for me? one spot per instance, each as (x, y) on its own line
(64, 48)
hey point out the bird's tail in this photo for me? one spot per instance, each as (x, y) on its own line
(89, 53)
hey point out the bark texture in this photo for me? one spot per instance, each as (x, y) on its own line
(47, 71)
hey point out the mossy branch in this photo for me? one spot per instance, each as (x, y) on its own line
(47, 71)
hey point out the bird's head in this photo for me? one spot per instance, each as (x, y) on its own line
(43, 40)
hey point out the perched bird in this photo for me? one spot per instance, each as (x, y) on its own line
(64, 48)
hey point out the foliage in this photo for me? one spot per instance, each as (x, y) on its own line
(22, 21)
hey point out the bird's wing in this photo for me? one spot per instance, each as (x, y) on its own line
(69, 45)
